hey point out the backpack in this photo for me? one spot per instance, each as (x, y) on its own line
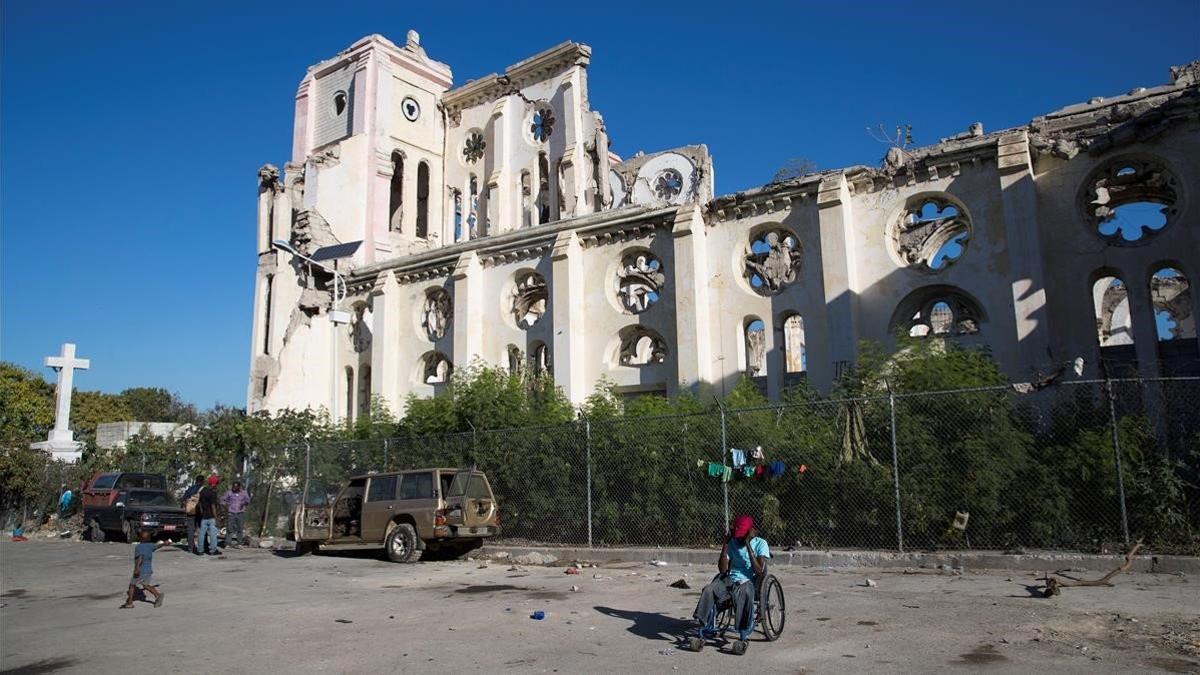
(191, 503)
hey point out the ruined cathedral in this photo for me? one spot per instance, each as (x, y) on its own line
(497, 226)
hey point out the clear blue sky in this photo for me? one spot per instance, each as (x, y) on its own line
(130, 133)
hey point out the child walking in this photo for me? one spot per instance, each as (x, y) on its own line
(143, 570)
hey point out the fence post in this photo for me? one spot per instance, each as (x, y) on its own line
(896, 472)
(1116, 443)
(724, 483)
(587, 439)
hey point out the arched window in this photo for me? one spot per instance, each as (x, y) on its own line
(349, 394)
(364, 390)
(526, 194)
(543, 199)
(515, 359)
(1114, 322)
(422, 200)
(270, 282)
(539, 359)
(458, 214)
(640, 346)
(1171, 297)
(943, 311)
(396, 193)
(435, 368)
(794, 356)
(931, 233)
(754, 341)
(472, 207)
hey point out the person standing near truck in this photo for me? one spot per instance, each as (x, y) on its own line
(235, 500)
(206, 507)
(190, 500)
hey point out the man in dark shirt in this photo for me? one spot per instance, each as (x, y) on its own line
(193, 518)
(207, 509)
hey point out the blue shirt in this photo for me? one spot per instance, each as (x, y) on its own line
(740, 568)
(146, 550)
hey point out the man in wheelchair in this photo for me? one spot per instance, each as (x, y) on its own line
(743, 557)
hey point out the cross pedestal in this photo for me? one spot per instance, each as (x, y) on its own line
(61, 443)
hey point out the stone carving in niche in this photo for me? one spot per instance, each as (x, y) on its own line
(436, 314)
(641, 347)
(529, 299)
(361, 331)
(639, 281)
(541, 124)
(773, 262)
(1127, 200)
(474, 147)
(436, 368)
(931, 234)
(668, 184)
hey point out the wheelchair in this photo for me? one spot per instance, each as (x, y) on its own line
(769, 614)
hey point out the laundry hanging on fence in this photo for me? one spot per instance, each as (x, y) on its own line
(776, 468)
(757, 455)
(726, 474)
(758, 471)
(739, 458)
(715, 469)
(747, 471)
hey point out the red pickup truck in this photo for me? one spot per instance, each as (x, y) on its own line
(116, 502)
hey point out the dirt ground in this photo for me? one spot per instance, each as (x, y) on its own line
(261, 611)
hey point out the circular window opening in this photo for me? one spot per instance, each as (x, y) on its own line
(541, 124)
(529, 298)
(340, 100)
(931, 234)
(773, 262)
(640, 281)
(410, 108)
(668, 184)
(473, 147)
(1127, 201)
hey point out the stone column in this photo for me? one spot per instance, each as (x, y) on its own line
(1018, 197)
(840, 279)
(385, 343)
(567, 305)
(468, 309)
(693, 311)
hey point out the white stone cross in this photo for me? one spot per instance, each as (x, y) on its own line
(61, 444)
(65, 366)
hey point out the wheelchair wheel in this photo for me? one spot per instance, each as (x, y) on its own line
(724, 620)
(771, 608)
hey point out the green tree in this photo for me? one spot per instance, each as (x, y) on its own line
(26, 407)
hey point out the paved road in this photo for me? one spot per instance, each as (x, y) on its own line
(254, 610)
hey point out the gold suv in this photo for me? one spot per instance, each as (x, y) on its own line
(403, 512)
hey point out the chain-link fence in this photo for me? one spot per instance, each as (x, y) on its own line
(1084, 466)
(1087, 466)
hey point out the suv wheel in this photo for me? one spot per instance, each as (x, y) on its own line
(401, 543)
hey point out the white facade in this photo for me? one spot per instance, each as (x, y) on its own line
(497, 226)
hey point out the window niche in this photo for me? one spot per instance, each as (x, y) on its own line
(930, 234)
(1128, 200)
(436, 313)
(754, 347)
